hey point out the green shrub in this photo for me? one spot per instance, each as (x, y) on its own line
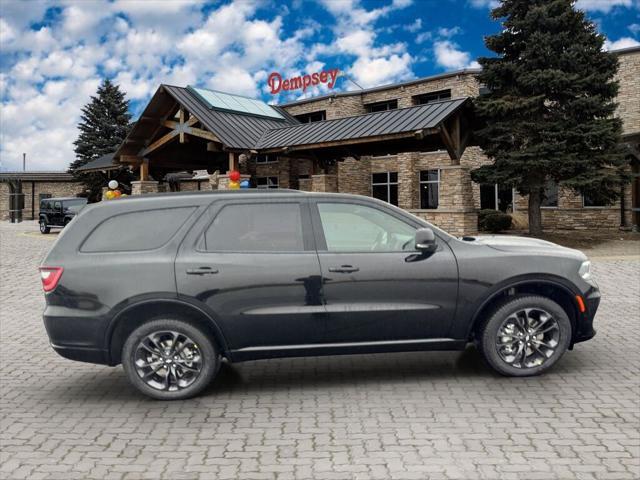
(493, 221)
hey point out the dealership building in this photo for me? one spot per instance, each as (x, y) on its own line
(409, 144)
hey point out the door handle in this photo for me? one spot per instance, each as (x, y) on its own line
(202, 271)
(344, 269)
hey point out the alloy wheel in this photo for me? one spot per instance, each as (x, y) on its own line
(527, 338)
(168, 360)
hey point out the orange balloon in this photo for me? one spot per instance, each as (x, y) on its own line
(117, 193)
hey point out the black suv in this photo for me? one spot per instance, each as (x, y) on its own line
(170, 285)
(57, 212)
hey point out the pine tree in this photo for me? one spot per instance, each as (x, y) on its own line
(549, 115)
(103, 126)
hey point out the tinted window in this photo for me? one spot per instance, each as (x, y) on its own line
(550, 197)
(272, 227)
(357, 228)
(135, 231)
(75, 202)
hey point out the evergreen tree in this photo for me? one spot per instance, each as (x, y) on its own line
(103, 126)
(549, 115)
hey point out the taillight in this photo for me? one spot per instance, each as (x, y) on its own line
(50, 277)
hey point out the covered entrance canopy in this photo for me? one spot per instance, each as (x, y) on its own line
(191, 128)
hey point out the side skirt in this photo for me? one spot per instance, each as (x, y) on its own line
(350, 348)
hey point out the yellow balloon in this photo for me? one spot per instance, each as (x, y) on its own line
(109, 195)
(234, 185)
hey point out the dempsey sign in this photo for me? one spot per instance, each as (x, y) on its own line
(276, 83)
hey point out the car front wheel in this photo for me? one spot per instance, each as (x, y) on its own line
(169, 359)
(43, 226)
(525, 336)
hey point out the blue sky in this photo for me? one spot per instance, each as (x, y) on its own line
(54, 53)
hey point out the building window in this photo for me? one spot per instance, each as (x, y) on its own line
(429, 189)
(381, 106)
(432, 97)
(496, 197)
(592, 199)
(550, 194)
(310, 117)
(266, 158)
(267, 182)
(384, 186)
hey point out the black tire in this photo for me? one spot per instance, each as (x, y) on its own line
(43, 226)
(488, 336)
(208, 354)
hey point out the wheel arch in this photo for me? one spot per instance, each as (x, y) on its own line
(552, 288)
(144, 311)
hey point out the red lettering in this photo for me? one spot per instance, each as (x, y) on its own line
(276, 83)
(273, 78)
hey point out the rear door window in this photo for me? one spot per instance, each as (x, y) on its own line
(136, 231)
(252, 227)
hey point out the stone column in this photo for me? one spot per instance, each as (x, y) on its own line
(324, 183)
(305, 184)
(407, 181)
(141, 187)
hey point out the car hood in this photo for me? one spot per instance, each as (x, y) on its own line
(510, 243)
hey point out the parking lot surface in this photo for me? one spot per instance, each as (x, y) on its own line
(435, 415)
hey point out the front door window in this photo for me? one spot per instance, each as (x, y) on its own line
(357, 228)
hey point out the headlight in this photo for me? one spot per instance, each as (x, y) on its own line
(585, 271)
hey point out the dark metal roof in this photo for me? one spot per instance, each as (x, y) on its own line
(37, 176)
(389, 122)
(235, 130)
(105, 162)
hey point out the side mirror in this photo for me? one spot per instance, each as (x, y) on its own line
(426, 240)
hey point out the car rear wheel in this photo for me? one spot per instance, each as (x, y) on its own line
(525, 336)
(43, 226)
(169, 359)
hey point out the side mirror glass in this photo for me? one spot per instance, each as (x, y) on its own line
(426, 240)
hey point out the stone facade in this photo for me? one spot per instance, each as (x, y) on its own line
(629, 93)
(32, 191)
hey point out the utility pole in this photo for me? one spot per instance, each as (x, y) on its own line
(24, 162)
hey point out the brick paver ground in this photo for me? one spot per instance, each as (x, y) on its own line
(403, 416)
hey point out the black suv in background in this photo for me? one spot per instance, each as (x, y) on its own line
(57, 212)
(169, 285)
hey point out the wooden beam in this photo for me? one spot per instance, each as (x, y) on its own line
(449, 143)
(159, 143)
(181, 128)
(233, 161)
(132, 159)
(144, 170)
(199, 132)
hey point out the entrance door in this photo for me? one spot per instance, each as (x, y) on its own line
(377, 288)
(254, 267)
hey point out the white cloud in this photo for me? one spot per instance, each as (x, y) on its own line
(371, 72)
(634, 28)
(449, 55)
(604, 6)
(449, 32)
(415, 26)
(484, 3)
(624, 42)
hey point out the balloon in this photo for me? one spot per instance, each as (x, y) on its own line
(124, 195)
(113, 184)
(234, 185)
(244, 184)
(234, 176)
(108, 194)
(117, 193)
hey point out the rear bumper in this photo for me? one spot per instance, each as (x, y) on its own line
(82, 354)
(77, 338)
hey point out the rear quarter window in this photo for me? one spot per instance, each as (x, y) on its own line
(136, 231)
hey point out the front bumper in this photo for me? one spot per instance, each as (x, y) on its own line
(584, 322)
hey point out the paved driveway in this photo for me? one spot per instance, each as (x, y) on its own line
(404, 416)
